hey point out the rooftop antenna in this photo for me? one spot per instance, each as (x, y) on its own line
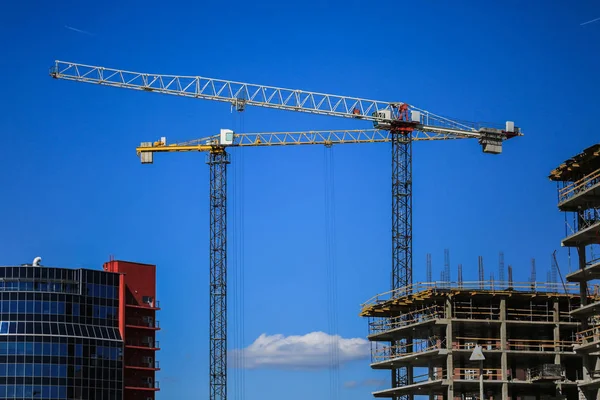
(460, 277)
(510, 277)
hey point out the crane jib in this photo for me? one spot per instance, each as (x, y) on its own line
(241, 94)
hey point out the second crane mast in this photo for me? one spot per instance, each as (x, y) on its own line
(403, 123)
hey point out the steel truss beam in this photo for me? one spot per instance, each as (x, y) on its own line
(241, 94)
(348, 136)
(401, 231)
(218, 161)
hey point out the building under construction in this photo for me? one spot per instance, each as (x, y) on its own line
(579, 197)
(525, 330)
(501, 340)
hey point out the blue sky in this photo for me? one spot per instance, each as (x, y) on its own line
(74, 192)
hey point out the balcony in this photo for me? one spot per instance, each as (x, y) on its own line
(153, 305)
(414, 317)
(469, 343)
(516, 345)
(590, 272)
(587, 234)
(540, 345)
(584, 192)
(588, 339)
(537, 314)
(147, 366)
(142, 323)
(417, 353)
(144, 345)
(587, 310)
(142, 384)
(473, 374)
(433, 382)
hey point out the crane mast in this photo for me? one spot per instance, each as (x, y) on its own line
(397, 123)
(218, 161)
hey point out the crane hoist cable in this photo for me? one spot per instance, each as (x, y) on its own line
(331, 268)
(238, 264)
(242, 269)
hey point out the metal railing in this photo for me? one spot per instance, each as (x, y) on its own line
(546, 345)
(139, 343)
(141, 364)
(469, 343)
(482, 286)
(471, 311)
(471, 374)
(409, 318)
(588, 336)
(437, 374)
(468, 311)
(537, 314)
(579, 186)
(133, 302)
(141, 383)
(386, 353)
(135, 321)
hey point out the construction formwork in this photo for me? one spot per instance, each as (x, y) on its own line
(526, 332)
(578, 180)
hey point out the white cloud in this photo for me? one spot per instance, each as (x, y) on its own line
(310, 351)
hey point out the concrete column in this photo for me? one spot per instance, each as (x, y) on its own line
(430, 370)
(449, 360)
(556, 319)
(586, 367)
(430, 376)
(503, 347)
(583, 284)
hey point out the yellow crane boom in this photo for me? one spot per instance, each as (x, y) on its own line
(228, 138)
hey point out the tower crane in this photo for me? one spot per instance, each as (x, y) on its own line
(396, 122)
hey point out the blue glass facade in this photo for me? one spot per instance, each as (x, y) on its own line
(59, 334)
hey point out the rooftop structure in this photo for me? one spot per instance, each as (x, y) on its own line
(526, 332)
(579, 195)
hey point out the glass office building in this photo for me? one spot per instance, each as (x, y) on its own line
(59, 334)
